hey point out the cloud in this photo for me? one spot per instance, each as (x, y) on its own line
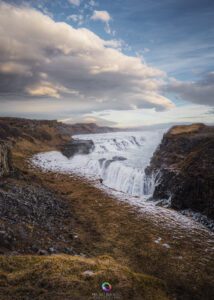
(14, 68)
(103, 16)
(74, 2)
(43, 89)
(190, 113)
(76, 18)
(200, 92)
(88, 119)
(44, 59)
(92, 3)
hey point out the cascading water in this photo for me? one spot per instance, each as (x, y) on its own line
(119, 159)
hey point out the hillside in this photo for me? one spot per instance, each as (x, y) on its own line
(31, 136)
(44, 129)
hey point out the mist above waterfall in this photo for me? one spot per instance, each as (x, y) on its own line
(119, 159)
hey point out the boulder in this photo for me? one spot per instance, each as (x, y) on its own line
(77, 147)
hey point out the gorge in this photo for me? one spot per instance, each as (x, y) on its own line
(175, 175)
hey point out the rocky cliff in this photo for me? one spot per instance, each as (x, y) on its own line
(5, 159)
(184, 164)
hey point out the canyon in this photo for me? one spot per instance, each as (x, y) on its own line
(52, 219)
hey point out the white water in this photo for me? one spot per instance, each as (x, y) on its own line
(119, 159)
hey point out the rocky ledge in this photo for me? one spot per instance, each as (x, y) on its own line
(184, 169)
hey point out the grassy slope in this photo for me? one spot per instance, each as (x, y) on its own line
(62, 277)
(185, 129)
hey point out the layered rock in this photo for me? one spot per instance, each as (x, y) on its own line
(5, 159)
(184, 168)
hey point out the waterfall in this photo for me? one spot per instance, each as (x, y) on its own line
(119, 159)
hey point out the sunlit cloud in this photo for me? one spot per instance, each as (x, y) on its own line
(103, 16)
(61, 59)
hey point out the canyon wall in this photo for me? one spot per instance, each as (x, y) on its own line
(184, 164)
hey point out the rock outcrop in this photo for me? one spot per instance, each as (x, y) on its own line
(5, 159)
(77, 147)
(184, 168)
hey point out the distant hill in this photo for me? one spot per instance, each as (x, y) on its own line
(45, 130)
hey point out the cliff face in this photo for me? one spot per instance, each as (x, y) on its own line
(184, 163)
(5, 159)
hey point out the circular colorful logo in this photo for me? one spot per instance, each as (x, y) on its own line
(106, 287)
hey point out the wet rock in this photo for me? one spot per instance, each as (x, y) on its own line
(119, 158)
(77, 147)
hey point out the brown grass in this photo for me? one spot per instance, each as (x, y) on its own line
(180, 129)
(62, 277)
(108, 227)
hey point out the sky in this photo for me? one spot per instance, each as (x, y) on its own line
(120, 63)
